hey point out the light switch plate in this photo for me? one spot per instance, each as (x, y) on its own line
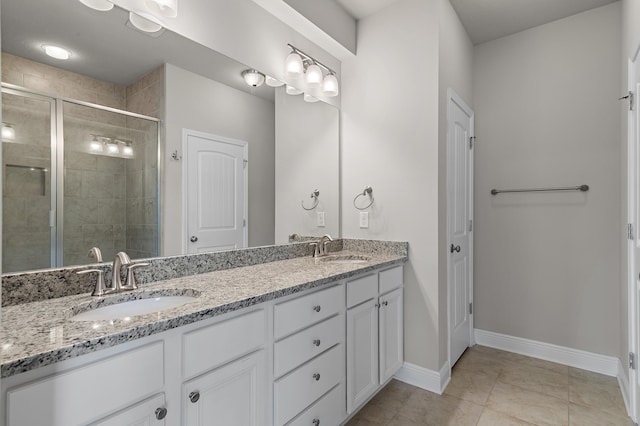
(364, 220)
(320, 219)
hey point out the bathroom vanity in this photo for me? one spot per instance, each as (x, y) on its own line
(300, 341)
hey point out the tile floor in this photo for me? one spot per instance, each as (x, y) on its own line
(493, 388)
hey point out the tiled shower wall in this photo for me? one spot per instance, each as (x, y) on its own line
(98, 188)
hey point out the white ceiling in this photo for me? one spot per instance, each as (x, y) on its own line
(487, 20)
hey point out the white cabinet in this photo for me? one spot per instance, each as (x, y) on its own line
(230, 395)
(374, 333)
(151, 412)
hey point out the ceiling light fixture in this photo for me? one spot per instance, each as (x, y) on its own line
(272, 82)
(166, 8)
(56, 52)
(144, 23)
(314, 76)
(253, 77)
(101, 5)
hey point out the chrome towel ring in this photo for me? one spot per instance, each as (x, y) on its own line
(314, 195)
(367, 192)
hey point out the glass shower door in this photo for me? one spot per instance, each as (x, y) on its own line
(28, 195)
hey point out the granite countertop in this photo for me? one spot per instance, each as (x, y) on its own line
(40, 333)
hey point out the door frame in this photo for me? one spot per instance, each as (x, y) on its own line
(632, 286)
(452, 97)
(185, 187)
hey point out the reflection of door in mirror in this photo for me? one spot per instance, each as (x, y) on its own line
(216, 193)
(78, 173)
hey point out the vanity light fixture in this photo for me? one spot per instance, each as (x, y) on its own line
(113, 148)
(127, 149)
(101, 5)
(56, 52)
(253, 77)
(309, 98)
(166, 8)
(8, 132)
(272, 82)
(298, 62)
(292, 90)
(145, 23)
(95, 145)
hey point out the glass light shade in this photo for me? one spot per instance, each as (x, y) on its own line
(330, 86)
(145, 24)
(112, 148)
(127, 150)
(101, 5)
(96, 146)
(292, 90)
(293, 67)
(56, 52)
(167, 8)
(8, 132)
(272, 82)
(253, 78)
(309, 98)
(313, 76)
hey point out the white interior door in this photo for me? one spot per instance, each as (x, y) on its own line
(459, 250)
(215, 193)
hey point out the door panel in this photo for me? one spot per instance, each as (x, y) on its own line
(215, 194)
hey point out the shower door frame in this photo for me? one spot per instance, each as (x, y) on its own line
(56, 221)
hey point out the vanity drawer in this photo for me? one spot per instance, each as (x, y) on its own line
(301, 347)
(330, 410)
(214, 345)
(362, 289)
(304, 311)
(74, 397)
(296, 391)
(390, 279)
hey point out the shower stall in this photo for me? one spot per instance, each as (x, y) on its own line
(76, 175)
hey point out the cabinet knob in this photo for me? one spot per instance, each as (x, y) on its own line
(316, 308)
(316, 342)
(316, 376)
(385, 303)
(194, 396)
(377, 305)
(161, 413)
(193, 239)
(316, 422)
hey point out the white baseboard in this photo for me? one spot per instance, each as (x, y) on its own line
(623, 382)
(430, 380)
(589, 361)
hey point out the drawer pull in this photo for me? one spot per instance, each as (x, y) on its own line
(316, 422)
(316, 376)
(316, 342)
(194, 396)
(316, 308)
(161, 413)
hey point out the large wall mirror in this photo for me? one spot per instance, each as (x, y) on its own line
(100, 149)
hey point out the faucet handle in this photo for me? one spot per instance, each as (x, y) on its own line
(130, 283)
(100, 289)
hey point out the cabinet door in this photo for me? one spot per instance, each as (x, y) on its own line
(230, 395)
(362, 353)
(391, 334)
(145, 413)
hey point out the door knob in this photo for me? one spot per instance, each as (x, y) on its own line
(161, 413)
(455, 248)
(194, 396)
(193, 239)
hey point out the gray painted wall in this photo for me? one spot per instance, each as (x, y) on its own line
(547, 266)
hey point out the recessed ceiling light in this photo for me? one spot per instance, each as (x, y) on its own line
(101, 5)
(56, 52)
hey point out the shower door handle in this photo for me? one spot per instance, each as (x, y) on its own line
(193, 239)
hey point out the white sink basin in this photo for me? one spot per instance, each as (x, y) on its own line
(130, 308)
(345, 259)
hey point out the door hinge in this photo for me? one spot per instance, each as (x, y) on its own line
(630, 231)
(470, 225)
(470, 308)
(630, 97)
(52, 218)
(245, 163)
(632, 360)
(244, 222)
(471, 140)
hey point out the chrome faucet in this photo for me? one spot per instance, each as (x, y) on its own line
(121, 259)
(322, 244)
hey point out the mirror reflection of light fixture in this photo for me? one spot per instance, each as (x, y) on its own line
(166, 8)
(56, 52)
(314, 77)
(113, 148)
(95, 145)
(145, 23)
(8, 132)
(272, 82)
(253, 78)
(292, 90)
(309, 98)
(101, 5)
(127, 149)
